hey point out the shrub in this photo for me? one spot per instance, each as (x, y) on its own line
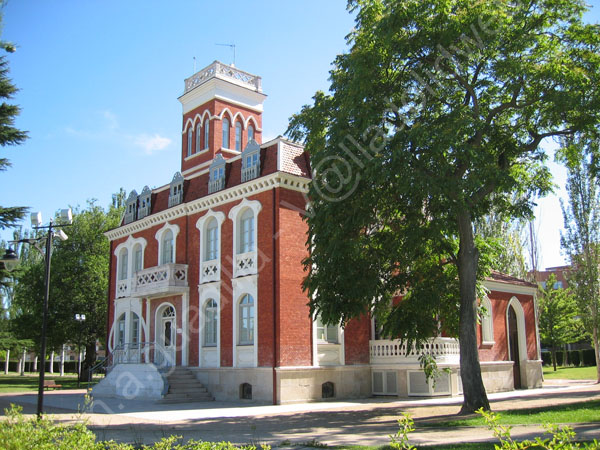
(589, 359)
(20, 433)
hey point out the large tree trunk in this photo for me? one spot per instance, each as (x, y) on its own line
(597, 352)
(475, 396)
(88, 362)
(554, 356)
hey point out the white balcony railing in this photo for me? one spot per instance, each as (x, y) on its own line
(123, 288)
(210, 271)
(245, 264)
(445, 351)
(142, 353)
(250, 172)
(164, 279)
(224, 72)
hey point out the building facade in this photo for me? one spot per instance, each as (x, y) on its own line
(206, 275)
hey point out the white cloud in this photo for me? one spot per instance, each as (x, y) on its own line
(151, 144)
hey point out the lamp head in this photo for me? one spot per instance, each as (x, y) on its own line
(66, 216)
(36, 219)
(10, 259)
(61, 235)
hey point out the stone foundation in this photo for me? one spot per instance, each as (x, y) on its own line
(132, 381)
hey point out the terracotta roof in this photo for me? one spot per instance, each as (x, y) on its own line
(294, 159)
(509, 279)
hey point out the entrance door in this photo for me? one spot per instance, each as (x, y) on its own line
(165, 356)
(513, 342)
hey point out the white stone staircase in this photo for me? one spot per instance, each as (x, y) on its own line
(184, 387)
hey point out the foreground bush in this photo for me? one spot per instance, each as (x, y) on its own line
(20, 433)
(561, 438)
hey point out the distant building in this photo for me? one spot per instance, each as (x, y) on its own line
(206, 278)
(559, 272)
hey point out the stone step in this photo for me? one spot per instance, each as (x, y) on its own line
(187, 389)
(185, 398)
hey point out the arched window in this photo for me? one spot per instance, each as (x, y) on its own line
(134, 329)
(198, 140)
(247, 231)
(138, 263)
(210, 323)
(123, 257)
(246, 321)
(250, 133)
(238, 136)
(487, 322)
(121, 330)
(206, 133)
(166, 256)
(212, 240)
(168, 313)
(190, 141)
(225, 143)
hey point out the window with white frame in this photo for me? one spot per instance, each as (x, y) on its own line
(123, 260)
(145, 203)
(250, 133)
(131, 207)
(212, 240)
(121, 330)
(487, 322)
(238, 136)
(251, 161)
(327, 333)
(225, 143)
(216, 177)
(198, 136)
(138, 258)
(210, 323)
(134, 329)
(246, 320)
(176, 190)
(167, 248)
(206, 133)
(247, 231)
(190, 136)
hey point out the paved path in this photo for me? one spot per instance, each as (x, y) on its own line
(367, 422)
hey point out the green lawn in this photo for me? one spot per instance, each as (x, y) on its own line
(465, 446)
(570, 373)
(15, 383)
(584, 412)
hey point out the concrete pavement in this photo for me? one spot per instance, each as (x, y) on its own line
(367, 422)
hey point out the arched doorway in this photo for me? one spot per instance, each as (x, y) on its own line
(166, 337)
(513, 345)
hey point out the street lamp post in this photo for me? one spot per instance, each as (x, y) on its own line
(79, 318)
(10, 259)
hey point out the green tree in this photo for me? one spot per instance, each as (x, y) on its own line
(558, 321)
(507, 236)
(581, 236)
(435, 117)
(78, 284)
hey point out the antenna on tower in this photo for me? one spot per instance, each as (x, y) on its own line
(232, 46)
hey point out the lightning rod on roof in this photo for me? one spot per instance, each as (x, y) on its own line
(232, 46)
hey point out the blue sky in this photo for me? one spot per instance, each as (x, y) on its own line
(99, 83)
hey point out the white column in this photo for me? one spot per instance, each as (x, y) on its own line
(51, 362)
(6, 362)
(22, 370)
(35, 362)
(62, 361)
(184, 329)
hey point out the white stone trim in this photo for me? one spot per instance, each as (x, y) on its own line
(234, 215)
(256, 186)
(201, 225)
(339, 348)
(242, 286)
(487, 323)
(510, 288)
(126, 306)
(185, 306)
(520, 313)
(158, 329)
(158, 236)
(205, 292)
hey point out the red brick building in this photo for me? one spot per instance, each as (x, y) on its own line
(206, 275)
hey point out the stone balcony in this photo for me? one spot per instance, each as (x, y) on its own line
(225, 72)
(445, 350)
(160, 280)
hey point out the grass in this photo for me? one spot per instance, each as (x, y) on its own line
(585, 412)
(464, 446)
(570, 373)
(29, 382)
